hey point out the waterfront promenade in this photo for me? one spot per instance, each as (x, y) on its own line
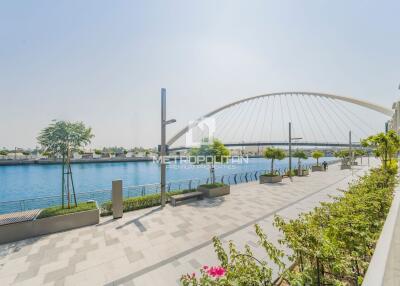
(154, 247)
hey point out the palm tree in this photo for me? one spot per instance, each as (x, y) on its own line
(385, 145)
(274, 154)
(62, 138)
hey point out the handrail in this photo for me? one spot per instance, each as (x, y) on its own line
(383, 267)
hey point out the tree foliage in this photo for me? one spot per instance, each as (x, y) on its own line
(385, 145)
(274, 154)
(62, 138)
(331, 245)
(216, 152)
(317, 154)
(300, 155)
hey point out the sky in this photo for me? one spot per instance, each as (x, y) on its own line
(104, 62)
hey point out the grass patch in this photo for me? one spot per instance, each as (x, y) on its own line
(58, 210)
(212, 186)
(142, 202)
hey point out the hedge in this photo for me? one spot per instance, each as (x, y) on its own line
(142, 202)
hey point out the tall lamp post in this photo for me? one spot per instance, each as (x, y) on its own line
(163, 146)
(290, 148)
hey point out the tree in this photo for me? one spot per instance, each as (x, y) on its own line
(317, 154)
(97, 151)
(299, 154)
(3, 152)
(62, 138)
(342, 154)
(274, 154)
(216, 152)
(385, 145)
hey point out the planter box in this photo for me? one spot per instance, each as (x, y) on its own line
(270, 179)
(344, 167)
(27, 229)
(317, 168)
(302, 173)
(215, 192)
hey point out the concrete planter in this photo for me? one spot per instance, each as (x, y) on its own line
(27, 229)
(302, 173)
(317, 168)
(344, 167)
(270, 179)
(214, 192)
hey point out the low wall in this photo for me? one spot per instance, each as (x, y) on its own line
(384, 267)
(27, 229)
(215, 192)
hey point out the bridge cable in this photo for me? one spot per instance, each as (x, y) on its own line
(335, 118)
(325, 122)
(241, 122)
(298, 115)
(342, 105)
(237, 113)
(253, 102)
(304, 135)
(282, 119)
(327, 115)
(306, 114)
(354, 130)
(228, 119)
(314, 120)
(272, 119)
(265, 117)
(260, 107)
(310, 107)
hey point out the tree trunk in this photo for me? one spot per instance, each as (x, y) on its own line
(272, 166)
(62, 182)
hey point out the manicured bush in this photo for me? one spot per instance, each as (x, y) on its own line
(141, 202)
(317, 154)
(58, 210)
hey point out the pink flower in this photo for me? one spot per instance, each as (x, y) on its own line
(216, 271)
(193, 275)
(205, 267)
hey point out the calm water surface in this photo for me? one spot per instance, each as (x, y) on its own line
(32, 181)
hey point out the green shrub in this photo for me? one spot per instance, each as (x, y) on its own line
(58, 210)
(142, 202)
(212, 186)
(331, 245)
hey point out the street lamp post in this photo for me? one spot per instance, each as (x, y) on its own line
(163, 146)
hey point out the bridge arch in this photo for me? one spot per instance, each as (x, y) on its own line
(369, 105)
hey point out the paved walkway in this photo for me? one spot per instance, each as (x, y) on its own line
(154, 247)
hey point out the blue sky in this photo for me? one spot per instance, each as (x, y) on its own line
(104, 62)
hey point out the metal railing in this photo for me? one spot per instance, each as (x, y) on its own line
(102, 196)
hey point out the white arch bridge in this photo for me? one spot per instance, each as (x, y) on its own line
(319, 119)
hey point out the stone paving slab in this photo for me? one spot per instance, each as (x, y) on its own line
(155, 246)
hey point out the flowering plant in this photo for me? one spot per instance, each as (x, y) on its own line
(237, 268)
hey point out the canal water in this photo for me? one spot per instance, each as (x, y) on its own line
(34, 181)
